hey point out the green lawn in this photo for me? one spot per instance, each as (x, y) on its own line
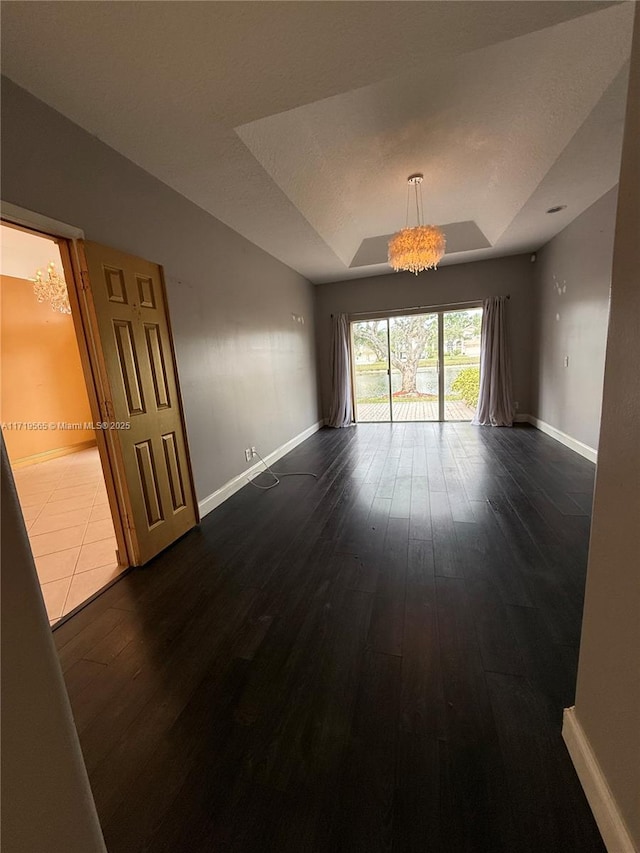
(376, 366)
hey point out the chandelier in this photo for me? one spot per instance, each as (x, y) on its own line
(52, 289)
(418, 248)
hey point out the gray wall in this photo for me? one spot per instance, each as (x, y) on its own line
(572, 277)
(246, 368)
(447, 285)
(608, 690)
(248, 377)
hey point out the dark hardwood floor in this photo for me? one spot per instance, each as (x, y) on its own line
(376, 660)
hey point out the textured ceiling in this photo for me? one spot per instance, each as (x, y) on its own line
(298, 123)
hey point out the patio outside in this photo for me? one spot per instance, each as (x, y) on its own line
(419, 410)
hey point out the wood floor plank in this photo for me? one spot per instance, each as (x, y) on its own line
(549, 666)
(420, 512)
(528, 740)
(422, 700)
(401, 501)
(478, 785)
(419, 821)
(373, 660)
(445, 546)
(364, 813)
(82, 643)
(497, 644)
(387, 620)
(182, 760)
(494, 550)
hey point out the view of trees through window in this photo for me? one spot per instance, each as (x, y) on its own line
(401, 354)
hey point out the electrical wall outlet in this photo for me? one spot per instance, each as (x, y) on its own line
(254, 452)
(516, 405)
(248, 455)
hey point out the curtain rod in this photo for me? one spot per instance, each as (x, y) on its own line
(430, 308)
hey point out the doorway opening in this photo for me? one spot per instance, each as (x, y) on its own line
(48, 426)
(417, 367)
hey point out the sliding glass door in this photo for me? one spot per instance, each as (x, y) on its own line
(461, 363)
(415, 392)
(417, 367)
(370, 360)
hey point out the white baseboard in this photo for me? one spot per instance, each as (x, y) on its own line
(206, 505)
(578, 446)
(610, 822)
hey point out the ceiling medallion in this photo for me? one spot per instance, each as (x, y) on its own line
(420, 247)
(52, 289)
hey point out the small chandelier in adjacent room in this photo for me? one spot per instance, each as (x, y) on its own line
(52, 289)
(420, 247)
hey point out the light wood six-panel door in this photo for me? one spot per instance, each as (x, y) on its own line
(142, 405)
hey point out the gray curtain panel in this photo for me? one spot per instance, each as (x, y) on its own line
(341, 412)
(495, 403)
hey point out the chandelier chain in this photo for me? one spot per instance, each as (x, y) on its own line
(406, 219)
(420, 247)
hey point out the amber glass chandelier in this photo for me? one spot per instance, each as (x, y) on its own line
(420, 247)
(52, 289)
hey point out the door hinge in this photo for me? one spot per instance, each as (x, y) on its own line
(84, 279)
(107, 410)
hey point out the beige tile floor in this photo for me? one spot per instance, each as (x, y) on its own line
(64, 503)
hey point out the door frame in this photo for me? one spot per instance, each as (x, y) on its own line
(387, 315)
(65, 237)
